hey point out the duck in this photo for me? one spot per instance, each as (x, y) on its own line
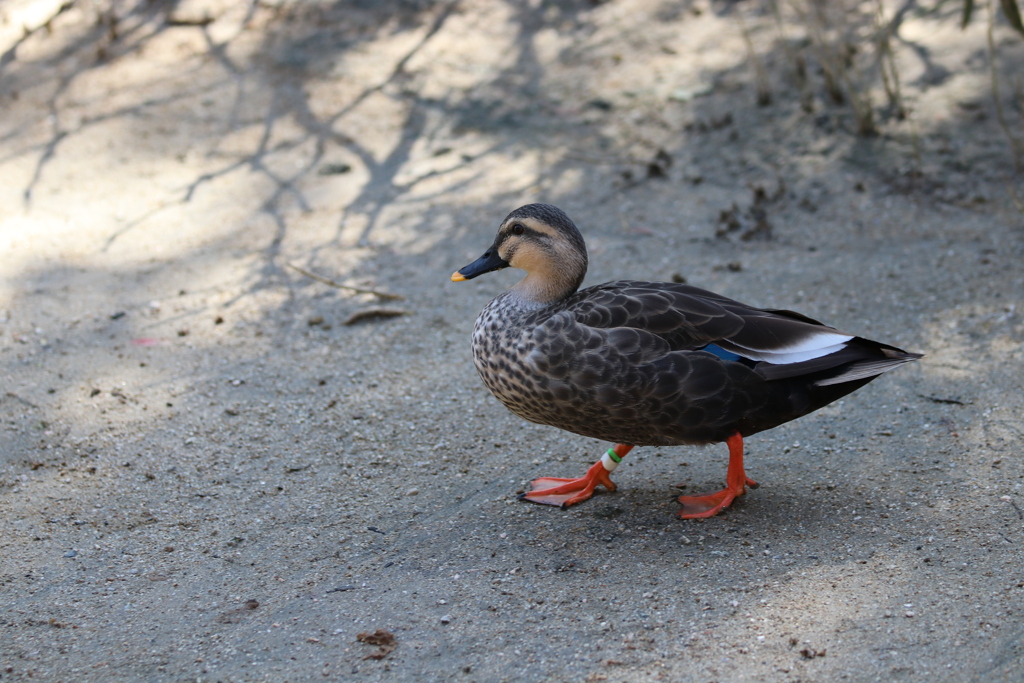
(638, 363)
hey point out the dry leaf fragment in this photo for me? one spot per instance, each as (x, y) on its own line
(234, 616)
(378, 637)
(385, 639)
(368, 313)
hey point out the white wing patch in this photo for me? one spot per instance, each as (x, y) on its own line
(815, 346)
(865, 369)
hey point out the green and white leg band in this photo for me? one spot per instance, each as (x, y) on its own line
(610, 460)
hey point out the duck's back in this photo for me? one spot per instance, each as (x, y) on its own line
(650, 363)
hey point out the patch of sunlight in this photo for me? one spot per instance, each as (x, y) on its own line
(371, 64)
(969, 346)
(23, 16)
(22, 234)
(517, 174)
(961, 342)
(378, 124)
(820, 603)
(453, 56)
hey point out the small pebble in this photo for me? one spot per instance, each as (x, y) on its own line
(412, 492)
(71, 553)
(446, 619)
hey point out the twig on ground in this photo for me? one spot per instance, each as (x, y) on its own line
(387, 296)
(796, 59)
(1015, 144)
(939, 399)
(887, 61)
(764, 88)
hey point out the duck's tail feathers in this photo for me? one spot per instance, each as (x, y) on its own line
(864, 369)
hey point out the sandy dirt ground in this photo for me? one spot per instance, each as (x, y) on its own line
(207, 475)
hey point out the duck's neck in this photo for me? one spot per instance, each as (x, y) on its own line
(535, 292)
(547, 285)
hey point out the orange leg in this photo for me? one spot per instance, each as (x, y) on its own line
(736, 481)
(566, 492)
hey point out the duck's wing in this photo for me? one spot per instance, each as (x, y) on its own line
(685, 318)
(688, 318)
(777, 344)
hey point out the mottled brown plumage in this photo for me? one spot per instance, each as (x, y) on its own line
(649, 363)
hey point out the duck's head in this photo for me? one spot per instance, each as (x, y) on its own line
(542, 240)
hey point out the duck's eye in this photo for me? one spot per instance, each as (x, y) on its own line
(518, 229)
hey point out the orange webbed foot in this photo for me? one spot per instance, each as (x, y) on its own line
(706, 504)
(566, 492)
(710, 504)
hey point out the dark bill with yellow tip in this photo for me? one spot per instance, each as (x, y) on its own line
(490, 261)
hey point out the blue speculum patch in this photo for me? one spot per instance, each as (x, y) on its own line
(721, 353)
